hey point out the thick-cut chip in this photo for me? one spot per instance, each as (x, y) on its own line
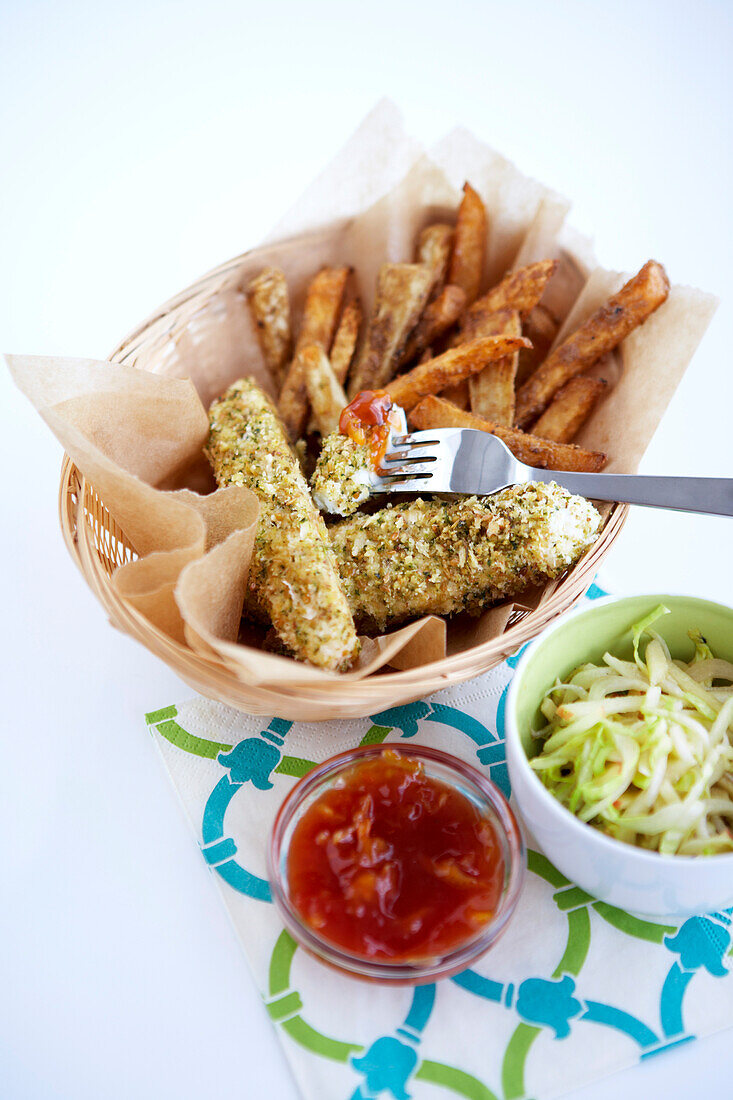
(344, 342)
(325, 394)
(493, 397)
(434, 248)
(322, 307)
(402, 291)
(440, 315)
(320, 314)
(544, 454)
(267, 297)
(491, 392)
(541, 327)
(458, 395)
(520, 290)
(450, 367)
(292, 404)
(600, 334)
(469, 247)
(565, 415)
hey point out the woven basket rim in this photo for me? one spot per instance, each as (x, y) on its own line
(222, 679)
(91, 568)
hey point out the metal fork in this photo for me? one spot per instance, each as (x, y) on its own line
(463, 460)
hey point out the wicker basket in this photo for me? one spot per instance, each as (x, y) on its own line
(98, 546)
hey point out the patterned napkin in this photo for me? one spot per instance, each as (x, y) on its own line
(574, 990)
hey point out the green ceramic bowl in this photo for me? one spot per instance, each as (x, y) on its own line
(626, 876)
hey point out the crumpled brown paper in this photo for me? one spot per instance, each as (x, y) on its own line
(135, 428)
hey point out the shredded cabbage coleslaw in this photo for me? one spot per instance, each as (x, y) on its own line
(642, 749)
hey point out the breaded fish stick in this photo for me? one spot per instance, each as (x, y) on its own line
(293, 576)
(429, 557)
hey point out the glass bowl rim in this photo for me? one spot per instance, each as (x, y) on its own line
(505, 823)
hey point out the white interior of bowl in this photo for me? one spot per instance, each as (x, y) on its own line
(630, 877)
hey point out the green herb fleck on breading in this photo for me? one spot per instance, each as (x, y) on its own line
(428, 557)
(293, 578)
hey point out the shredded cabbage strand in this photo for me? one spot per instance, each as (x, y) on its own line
(642, 749)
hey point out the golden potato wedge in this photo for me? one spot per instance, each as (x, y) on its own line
(520, 290)
(320, 314)
(570, 408)
(541, 327)
(450, 368)
(269, 306)
(402, 292)
(440, 315)
(322, 307)
(326, 396)
(491, 391)
(435, 412)
(344, 342)
(493, 398)
(434, 248)
(469, 246)
(292, 403)
(458, 394)
(601, 333)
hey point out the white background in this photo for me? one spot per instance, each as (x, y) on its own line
(143, 144)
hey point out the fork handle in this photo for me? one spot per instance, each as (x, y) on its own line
(713, 495)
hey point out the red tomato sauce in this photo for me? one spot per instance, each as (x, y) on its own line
(390, 863)
(366, 419)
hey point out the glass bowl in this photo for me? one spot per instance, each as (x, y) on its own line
(440, 766)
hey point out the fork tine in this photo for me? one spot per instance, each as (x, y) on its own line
(420, 439)
(420, 483)
(414, 442)
(451, 460)
(404, 468)
(407, 470)
(406, 457)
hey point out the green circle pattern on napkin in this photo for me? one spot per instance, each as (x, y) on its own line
(505, 1030)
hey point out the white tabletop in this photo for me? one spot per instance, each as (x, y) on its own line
(145, 143)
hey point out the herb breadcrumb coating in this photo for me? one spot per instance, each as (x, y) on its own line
(343, 475)
(346, 471)
(428, 557)
(293, 577)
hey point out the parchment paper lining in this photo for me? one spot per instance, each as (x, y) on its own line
(136, 434)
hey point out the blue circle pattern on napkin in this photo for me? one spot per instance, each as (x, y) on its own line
(553, 1004)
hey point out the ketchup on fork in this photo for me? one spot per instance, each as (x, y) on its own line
(367, 419)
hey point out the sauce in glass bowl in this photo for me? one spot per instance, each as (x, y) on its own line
(394, 864)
